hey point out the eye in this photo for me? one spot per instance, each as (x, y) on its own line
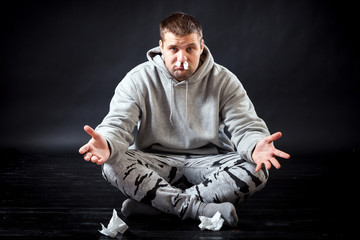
(189, 49)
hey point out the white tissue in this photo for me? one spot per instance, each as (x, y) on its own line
(115, 226)
(214, 224)
(185, 64)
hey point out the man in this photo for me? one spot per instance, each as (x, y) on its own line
(200, 146)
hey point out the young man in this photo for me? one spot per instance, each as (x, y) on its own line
(200, 146)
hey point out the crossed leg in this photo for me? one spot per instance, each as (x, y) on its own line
(150, 179)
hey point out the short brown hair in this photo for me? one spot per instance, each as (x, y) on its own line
(180, 24)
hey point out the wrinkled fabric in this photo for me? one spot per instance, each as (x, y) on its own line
(178, 184)
(208, 113)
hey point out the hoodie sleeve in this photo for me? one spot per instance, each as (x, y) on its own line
(118, 125)
(239, 116)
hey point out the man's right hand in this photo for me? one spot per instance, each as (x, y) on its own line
(97, 149)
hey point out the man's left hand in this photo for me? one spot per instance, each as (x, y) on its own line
(265, 152)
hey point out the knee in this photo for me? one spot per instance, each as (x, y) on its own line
(263, 174)
(105, 171)
(111, 169)
(254, 181)
(260, 178)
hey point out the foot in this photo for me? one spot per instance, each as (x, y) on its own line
(131, 207)
(227, 210)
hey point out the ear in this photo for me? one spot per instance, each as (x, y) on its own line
(161, 45)
(202, 45)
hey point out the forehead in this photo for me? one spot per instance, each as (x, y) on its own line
(172, 39)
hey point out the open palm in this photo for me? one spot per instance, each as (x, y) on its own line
(97, 149)
(265, 152)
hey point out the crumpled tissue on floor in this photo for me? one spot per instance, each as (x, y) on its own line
(214, 224)
(115, 226)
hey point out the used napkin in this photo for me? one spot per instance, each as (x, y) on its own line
(115, 226)
(214, 224)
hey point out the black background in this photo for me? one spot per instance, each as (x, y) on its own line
(61, 61)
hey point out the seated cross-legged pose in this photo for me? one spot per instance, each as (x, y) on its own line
(199, 147)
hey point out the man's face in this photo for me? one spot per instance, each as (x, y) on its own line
(181, 48)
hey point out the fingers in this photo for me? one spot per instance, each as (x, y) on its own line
(281, 154)
(277, 152)
(87, 156)
(93, 158)
(87, 149)
(97, 160)
(267, 153)
(91, 131)
(84, 149)
(258, 167)
(275, 163)
(274, 137)
(268, 163)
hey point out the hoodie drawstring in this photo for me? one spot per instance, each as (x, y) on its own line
(172, 101)
(186, 99)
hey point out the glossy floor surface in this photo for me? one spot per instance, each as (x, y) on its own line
(56, 196)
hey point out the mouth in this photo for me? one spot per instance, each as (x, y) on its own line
(181, 68)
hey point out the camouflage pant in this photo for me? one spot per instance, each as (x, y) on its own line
(177, 183)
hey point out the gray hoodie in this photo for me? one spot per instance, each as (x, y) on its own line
(209, 113)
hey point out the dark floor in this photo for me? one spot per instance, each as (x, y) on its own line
(66, 197)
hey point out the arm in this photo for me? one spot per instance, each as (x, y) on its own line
(118, 125)
(114, 135)
(240, 118)
(249, 132)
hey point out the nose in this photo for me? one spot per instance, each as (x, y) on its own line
(181, 56)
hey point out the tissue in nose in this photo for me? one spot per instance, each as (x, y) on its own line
(178, 64)
(185, 64)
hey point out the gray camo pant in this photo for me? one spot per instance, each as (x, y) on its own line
(176, 184)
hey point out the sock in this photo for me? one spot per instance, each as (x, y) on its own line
(227, 210)
(131, 207)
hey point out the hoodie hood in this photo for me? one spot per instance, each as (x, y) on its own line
(155, 56)
(206, 63)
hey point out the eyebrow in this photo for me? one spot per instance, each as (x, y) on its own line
(189, 45)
